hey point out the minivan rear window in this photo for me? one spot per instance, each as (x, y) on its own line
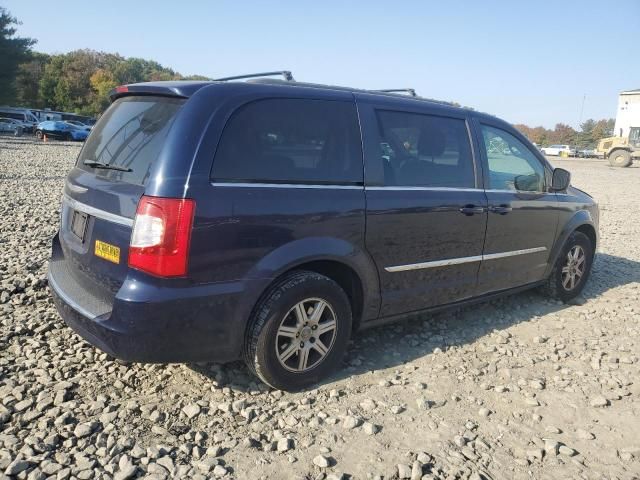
(130, 134)
(291, 141)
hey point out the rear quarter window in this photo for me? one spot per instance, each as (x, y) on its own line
(291, 141)
(130, 134)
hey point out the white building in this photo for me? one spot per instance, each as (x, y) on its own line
(628, 115)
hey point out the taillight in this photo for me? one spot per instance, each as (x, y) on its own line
(161, 236)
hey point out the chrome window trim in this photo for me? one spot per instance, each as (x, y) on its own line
(96, 212)
(436, 189)
(498, 190)
(461, 260)
(287, 185)
(68, 300)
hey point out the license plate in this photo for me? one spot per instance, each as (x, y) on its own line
(79, 224)
(107, 251)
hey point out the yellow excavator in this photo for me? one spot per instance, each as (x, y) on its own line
(621, 151)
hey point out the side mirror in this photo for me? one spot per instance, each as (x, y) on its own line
(561, 179)
(527, 183)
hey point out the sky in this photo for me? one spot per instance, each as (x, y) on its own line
(536, 62)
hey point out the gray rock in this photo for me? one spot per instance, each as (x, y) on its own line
(459, 440)
(568, 451)
(17, 466)
(551, 447)
(192, 410)
(416, 471)
(322, 461)
(584, 435)
(599, 401)
(350, 422)
(125, 474)
(83, 430)
(219, 471)
(404, 471)
(370, 428)
(284, 445)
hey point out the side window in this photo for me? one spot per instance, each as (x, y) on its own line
(512, 166)
(425, 150)
(291, 141)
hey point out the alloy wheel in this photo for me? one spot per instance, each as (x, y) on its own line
(574, 267)
(306, 335)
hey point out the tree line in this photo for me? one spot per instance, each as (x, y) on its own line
(80, 81)
(591, 131)
(77, 81)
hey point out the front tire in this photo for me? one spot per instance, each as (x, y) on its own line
(299, 331)
(572, 268)
(39, 134)
(620, 158)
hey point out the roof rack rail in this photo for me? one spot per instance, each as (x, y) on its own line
(286, 74)
(410, 91)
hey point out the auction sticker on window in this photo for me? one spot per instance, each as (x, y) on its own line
(107, 251)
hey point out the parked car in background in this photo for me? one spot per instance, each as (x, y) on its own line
(586, 153)
(23, 115)
(61, 131)
(78, 124)
(211, 221)
(557, 150)
(11, 127)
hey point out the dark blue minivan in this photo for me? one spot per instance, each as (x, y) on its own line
(268, 220)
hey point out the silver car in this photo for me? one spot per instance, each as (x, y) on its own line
(11, 126)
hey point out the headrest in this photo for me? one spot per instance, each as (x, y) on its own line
(432, 141)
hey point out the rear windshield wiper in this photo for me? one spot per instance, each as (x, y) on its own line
(106, 166)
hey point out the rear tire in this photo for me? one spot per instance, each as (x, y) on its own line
(287, 346)
(570, 273)
(620, 158)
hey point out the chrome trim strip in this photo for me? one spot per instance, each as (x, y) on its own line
(461, 260)
(434, 264)
(435, 189)
(287, 185)
(513, 253)
(96, 212)
(68, 300)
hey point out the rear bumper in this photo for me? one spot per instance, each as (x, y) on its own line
(158, 324)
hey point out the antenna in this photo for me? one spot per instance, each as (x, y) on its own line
(286, 74)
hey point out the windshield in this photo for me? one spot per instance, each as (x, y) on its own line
(130, 134)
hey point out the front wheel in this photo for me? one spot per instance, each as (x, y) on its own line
(299, 332)
(620, 158)
(39, 134)
(572, 269)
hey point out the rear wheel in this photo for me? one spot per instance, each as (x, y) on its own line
(620, 158)
(572, 269)
(39, 134)
(299, 332)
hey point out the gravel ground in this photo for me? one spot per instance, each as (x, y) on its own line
(522, 387)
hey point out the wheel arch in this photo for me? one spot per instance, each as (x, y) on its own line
(348, 265)
(582, 221)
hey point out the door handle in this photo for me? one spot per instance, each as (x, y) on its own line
(500, 209)
(469, 210)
